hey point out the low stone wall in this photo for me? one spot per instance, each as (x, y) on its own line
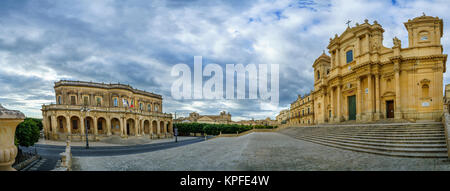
(446, 122)
(251, 131)
(27, 162)
(66, 160)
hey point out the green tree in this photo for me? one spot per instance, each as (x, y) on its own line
(28, 132)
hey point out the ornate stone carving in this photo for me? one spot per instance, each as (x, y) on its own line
(9, 119)
(397, 43)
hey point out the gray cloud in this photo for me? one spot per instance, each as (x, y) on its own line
(137, 42)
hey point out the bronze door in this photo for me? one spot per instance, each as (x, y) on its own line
(390, 109)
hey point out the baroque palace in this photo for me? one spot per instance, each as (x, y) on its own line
(106, 110)
(364, 81)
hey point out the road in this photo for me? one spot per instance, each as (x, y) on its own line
(50, 153)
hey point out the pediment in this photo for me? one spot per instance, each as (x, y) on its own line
(388, 93)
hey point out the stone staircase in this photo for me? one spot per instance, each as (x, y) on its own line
(416, 140)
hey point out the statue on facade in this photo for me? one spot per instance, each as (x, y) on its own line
(397, 42)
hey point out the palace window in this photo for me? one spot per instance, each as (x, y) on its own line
(425, 90)
(115, 102)
(73, 100)
(308, 110)
(85, 100)
(156, 107)
(349, 55)
(59, 100)
(140, 106)
(149, 107)
(318, 75)
(99, 101)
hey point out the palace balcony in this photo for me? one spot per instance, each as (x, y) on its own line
(106, 109)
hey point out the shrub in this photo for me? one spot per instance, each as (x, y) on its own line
(28, 132)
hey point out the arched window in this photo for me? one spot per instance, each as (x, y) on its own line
(318, 74)
(425, 90)
(59, 100)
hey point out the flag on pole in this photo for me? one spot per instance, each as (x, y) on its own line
(132, 103)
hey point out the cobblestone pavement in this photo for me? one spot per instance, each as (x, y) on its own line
(256, 151)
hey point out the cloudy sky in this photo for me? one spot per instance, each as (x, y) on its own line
(137, 42)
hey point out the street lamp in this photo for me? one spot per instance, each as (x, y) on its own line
(175, 128)
(85, 109)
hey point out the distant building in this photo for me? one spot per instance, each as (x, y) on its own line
(283, 117)
(302, 110)
(222, 118)
(264, 122)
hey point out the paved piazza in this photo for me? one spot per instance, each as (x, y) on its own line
(255, 151)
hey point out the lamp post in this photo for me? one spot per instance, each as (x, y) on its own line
(85, 109)
(175, 128)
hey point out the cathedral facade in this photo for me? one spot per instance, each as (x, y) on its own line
(364, 81)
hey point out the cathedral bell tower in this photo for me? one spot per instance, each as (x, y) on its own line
(424, 31)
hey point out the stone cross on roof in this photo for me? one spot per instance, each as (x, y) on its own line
(348, 23)
(10, 114)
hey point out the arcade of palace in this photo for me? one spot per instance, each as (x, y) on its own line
(106, 109)
(365, 81)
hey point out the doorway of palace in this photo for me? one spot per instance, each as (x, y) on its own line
(351, 107)
(131, 127)
(390, 109)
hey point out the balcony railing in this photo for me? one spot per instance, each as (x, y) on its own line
(106, 109)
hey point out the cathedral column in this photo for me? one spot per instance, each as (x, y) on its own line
(370, 96)
(397, 113)
(324, 107)
(332, 104)
(358, 99)
(339, 103)
(377, 97)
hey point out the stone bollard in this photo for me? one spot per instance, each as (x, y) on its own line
(9, 119)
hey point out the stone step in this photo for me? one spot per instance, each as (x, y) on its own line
(381, 148)
(389, 138)
(395, 141)
(381, 133)
(395, 145)
(370, 151)
(385, 135)
(376, 129)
